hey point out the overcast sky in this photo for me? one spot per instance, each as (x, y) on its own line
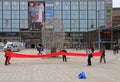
(116, 3)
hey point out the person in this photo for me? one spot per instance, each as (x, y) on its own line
(92, 49)
(114, 49)
(41, 49)
(8, 58)
(102, 56)
(64, 56)
(117, 48)
(89, 52)
(38, 47)
(76, 47)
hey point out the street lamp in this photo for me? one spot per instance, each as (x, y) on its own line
(99, 37)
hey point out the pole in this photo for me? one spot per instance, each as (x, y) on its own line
(99, 37)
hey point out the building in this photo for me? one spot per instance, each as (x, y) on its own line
(20, 21)
(116, 16)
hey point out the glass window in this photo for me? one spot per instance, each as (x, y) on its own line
(23, 16)
(75, 30)
(74, 6)
(83, 24)
(92, 24)
(15, 21)
(23, 12)
(83, 14)
(66, 14)
(66, 21)
(57, 5)
(6, 12)
(83, 5)
(6, 5)
(6, 16)
(92, 5)
(15, 5)
(0, 23)
(24, 5)
(66, 25)
(15, 14)
(0, 5)
(15, 30)
(0, 14)
(7, 30)
(14, 25)
(74, 23)
(0, 30)
(66, 5)
(23, 23)
(83, 30)
(91, 14)
(102, 22)
(6, 23)
(67, 30)
(100, 5)
(101, 14)
(74, 15)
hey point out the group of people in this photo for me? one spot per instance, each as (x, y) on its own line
(90, 51)
(40, 48)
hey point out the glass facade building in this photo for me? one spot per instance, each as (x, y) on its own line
(77, 16)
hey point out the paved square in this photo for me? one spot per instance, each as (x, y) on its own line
(55, 70)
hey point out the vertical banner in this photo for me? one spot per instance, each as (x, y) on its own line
(36, 14)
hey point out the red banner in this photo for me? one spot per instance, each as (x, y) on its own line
(18, 55)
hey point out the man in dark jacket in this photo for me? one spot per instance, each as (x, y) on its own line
(64, 56)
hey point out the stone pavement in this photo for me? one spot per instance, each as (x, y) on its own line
(55, 70)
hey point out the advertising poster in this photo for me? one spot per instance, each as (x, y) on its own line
(36, 14)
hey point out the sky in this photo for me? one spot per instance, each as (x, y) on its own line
(116, 3)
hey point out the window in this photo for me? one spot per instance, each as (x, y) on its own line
(83, 14)
(15, 14)
(6, 5)
(66, 5)
(92, 5)
(91, 14)
(23, 5)
(83, 5)
(57, 5)
(15, 5)
(74, 6)
(66, 14)
(74, 15)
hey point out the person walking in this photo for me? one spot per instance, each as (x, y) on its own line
(102, 56)
(89, 52)
(7, 58)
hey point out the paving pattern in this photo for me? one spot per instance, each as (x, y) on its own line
(55, 70)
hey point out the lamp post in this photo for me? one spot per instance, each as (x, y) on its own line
(99, 37)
